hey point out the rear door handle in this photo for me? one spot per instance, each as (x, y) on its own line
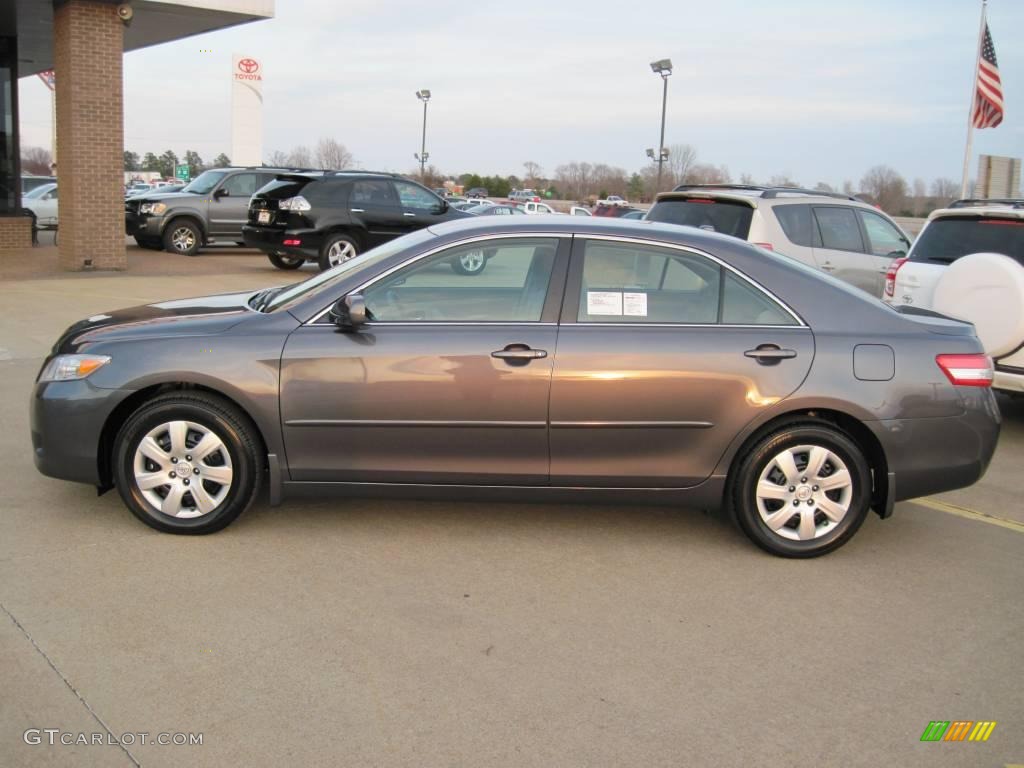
(408, 214)
(827, 267)
(519, 354)
(358, 210)
(770, 354)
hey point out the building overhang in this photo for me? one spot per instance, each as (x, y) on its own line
(153, 22)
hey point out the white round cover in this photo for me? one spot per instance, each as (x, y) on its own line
(986, 289)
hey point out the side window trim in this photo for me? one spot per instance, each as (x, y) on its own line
(574, 284)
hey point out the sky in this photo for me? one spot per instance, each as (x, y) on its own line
(814, 90)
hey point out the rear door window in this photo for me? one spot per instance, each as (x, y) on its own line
(240, 185)
(725, 216)
(329, 192)
(839, 229)
(375, 192)
(944, 241)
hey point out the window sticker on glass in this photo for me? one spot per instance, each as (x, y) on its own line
(634, 304)
(604, 303)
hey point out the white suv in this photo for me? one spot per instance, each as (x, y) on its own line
(968, 263)
(836, 233)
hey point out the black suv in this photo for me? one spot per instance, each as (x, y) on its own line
(330, 217)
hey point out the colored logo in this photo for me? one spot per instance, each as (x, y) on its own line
(958, 730)
(249, 66)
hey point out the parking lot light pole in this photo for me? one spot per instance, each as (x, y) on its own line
(424, 96)
(662, 67)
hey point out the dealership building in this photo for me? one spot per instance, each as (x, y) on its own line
(84, 41)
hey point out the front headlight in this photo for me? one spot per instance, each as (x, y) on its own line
(72, 367)
(154, 208)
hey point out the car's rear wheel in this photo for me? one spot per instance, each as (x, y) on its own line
(470, 262)
(151, 243)
(187, 463)
(802, 491)
(284, 261)
(337, 249)
(184, 237)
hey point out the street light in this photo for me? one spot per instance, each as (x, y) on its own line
(661, 67)
(424, 96)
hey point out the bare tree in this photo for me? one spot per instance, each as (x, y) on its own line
(533, 174)
(945, 190)
(782, 180)
(36, 160)
(705, 173)
(681, 158)
(886, 187)
(300, 157)
(747, 179)
(848, 188)
(919, 203)
(277, 159)
(822, 186)
(332, 154)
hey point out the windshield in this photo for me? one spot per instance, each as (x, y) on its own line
(944, 241)
(38, 191)
(292, 293)
(723, 216)
(204, 183)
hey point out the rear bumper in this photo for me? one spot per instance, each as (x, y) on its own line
(270, 240)
(1008, 379)
(927, 456)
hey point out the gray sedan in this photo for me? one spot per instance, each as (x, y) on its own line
(594, 360)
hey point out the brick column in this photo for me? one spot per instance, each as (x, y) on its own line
(88, 48)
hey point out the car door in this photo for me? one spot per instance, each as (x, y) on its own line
(664, 355)
(229, 205)
(885, 243)
(374, 207)
(447, 383)
(842, 252)
(420, 207)
(46, 209)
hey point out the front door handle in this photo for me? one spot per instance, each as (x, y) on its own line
(358, 210)
(519, 354)
(770, 354)
(827, 266)
(408, 214)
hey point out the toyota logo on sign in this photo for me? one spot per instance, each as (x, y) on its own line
(249, 66)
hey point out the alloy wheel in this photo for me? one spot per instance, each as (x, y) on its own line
(183, 239)
(339, 252)
(473, 261)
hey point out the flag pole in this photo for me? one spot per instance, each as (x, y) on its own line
(965, 180)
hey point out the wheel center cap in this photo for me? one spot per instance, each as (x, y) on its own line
(183, 468)
(804, 492)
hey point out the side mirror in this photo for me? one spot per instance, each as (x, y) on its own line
(441, 207)
(221, 192)
(349, 312)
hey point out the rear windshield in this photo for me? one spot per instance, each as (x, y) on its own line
(944, 241)
(723, 216)
(278, 189)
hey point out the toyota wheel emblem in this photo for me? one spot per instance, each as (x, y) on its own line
(248, 65)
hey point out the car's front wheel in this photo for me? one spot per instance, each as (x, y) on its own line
(284, 261)
(187, 463)
(802, 491)
(337, 249)
(184, 237)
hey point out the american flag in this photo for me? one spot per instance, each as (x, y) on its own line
(988, 102)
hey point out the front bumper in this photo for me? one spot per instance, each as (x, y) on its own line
(271, 240)
(67, 419)
(143, 225)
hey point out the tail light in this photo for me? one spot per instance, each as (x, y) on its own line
(766, 246)
(890, 276)
(967, 370)
(297, 203)
(292, 242)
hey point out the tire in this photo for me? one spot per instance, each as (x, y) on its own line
(283, 261)
(337, 249)
(183, 237)
(835, 514)
(470, 263)
(150, 243)
(188, 419)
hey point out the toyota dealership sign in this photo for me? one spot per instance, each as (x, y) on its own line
(246, 110)
(247, 69)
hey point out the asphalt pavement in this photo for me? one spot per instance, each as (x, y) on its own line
(399, 633)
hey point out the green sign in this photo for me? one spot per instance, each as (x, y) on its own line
(181, 172)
